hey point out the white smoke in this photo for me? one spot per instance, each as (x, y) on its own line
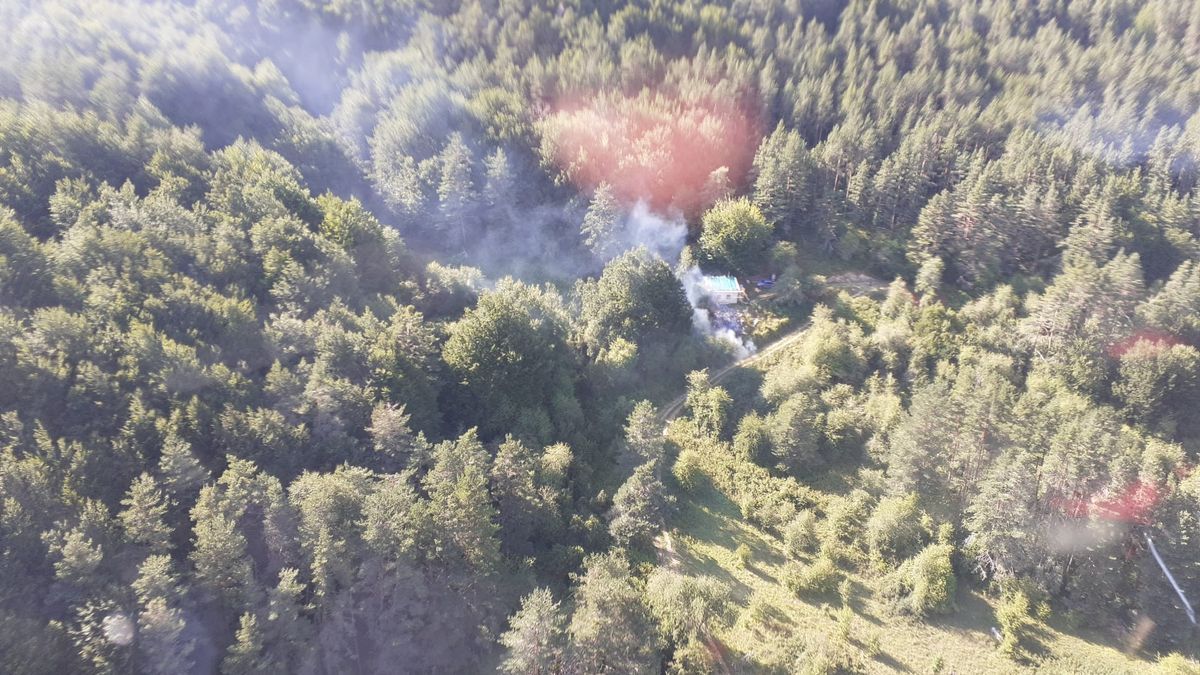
(693, 285)
(666, 236)
(118, 628)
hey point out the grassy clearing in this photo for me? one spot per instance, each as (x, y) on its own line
(705, 535)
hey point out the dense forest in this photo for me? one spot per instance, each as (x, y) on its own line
(343, 337)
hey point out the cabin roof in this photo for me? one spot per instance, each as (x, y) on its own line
(722, 284)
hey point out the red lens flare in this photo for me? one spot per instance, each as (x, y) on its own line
(671, 153)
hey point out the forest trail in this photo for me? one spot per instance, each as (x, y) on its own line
(672, 409)
(856, 283)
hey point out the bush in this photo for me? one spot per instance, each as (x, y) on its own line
(846, 591)
(752, 442)
(765, 500)
(894, 529)
(742, 554)
(1177, 664)
(819, 578)
(1015, 622)
(925, 584)
(687, 470)
(828, 654)
(841, 532)
(800, 534)
(931, 577)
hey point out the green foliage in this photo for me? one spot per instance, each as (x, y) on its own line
(686, 608)
(535, 638)
(1175, 307)
(894, 529)
(1157, 382)
(640, 508)
(743, 554)
(637, 298)
(1015, 621)
(602, 223)
(785, 172)
(821, 577)
(752, 442)
(644, 440)
(845, 519)
(144, 516)
(1177, 664)
(512, 354)
(764, 499)
(800, 535)
(735, 235)
(610, 627)
(199, 270)
(708, 404)
(926, 584)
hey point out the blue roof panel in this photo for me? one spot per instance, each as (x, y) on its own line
(721, 283)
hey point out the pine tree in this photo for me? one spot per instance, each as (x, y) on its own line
(535, 639)
(394, 442)
(288, 631)
(709, 405)
(516, 493)
(163, 643)
(246, 655)
(640, 508)
(182, 473)
(222, 567)
(458, 493)
(499, 187)
(644, 440)
(144, 515)
(610, 629)
(456, 191)
(157, 579)
(1175, 308)
(602, 223)
(783, 183)
(79, 557)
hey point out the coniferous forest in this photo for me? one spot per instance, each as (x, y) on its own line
(379, 336)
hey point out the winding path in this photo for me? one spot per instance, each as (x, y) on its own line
(671, 410)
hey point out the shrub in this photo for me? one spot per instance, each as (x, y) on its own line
(687, 470)
(800, 534)
(687, 607)
(894, 529)
(846, 591)
(931, 574)
(742, 554)
(1177, 664)
(819, 578)
(752, 443)
(1015, 622)
(925, 584)
(842, 529)
(873, 644)
(845, 623)
(765, 500)
(828, 654)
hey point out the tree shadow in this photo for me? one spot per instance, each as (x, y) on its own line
(891, 663)
(773, 618)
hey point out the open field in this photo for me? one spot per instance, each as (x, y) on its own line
(708, 529)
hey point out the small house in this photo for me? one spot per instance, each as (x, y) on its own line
(722, 290)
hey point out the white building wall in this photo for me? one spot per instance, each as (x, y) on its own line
(725, 297)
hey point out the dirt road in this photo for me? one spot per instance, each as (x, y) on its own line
(672, 409)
